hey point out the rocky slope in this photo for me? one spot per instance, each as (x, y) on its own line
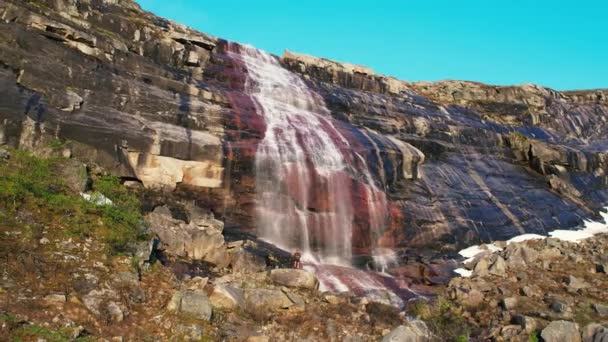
(158, 103)
(72, 270)
(88, 270)
(550, 289)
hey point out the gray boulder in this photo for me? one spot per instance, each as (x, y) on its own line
(414, 331)
(509, 303)
(595, 333)
(261, 303)
(601, 309)
(519, 255)
(498, 268)
(200, 242)
(576, 284)
(226, 297)
(194, 303)
(245, 262)
(294, 278)
(561, 331)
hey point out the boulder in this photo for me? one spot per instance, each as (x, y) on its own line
(527, 323)
(601, 309)
(56, 298)
(261, 303)
(195, 303)
(594, 332)
(191, 332)
(114, 311)
(576, 284)
(498, 268)
(414, 331)
(559, 306)
(75, 175)
(226, 297)
(199, 242)
(294, 278)
(244, 261)
(518, 255)
(100, 303)
(481, 267)
(470, 298)
(561, 331)
(509, 303)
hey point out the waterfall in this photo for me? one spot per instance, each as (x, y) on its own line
(308, 176)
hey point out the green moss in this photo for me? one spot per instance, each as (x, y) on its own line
(32, 332)
(106, 33)
(8, 318)
(124, 216)
(57, 143)
(534, 337)
(462, 338)
(32, 183)
(41, 6)
(442, 317)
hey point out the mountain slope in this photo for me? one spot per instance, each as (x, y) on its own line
(164, 105)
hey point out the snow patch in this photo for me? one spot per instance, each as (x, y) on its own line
(463, 272)
(97, 198)
(525, 237)
(589, 229)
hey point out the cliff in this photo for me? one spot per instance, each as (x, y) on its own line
(155, 102)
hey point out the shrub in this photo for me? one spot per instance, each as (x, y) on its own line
(32, 183)
(124, 216)
(442, 318)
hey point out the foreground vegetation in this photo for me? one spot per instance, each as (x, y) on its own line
(50, 187)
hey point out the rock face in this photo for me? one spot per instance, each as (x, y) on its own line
(156, 102)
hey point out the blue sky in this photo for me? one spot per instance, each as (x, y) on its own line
(560, 44)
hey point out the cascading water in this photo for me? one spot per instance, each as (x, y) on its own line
(307, 174)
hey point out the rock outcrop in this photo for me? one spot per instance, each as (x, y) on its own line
(547, 288)
(155, 102)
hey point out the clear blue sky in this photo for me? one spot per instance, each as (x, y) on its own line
(556, 43)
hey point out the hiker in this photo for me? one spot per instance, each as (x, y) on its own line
(296, 260)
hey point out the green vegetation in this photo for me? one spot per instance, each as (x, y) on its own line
(534, 337)
(443, 318)
(56, 143)
(462, 338)
(33, 184)
(33, 332)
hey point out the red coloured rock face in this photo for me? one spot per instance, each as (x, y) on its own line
(314, 187)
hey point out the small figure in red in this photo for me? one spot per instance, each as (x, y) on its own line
(296, 260)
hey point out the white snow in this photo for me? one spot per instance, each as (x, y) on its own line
(589, 229)
(471, 252)
(97, 198)
(464, 272)
(526, 237)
